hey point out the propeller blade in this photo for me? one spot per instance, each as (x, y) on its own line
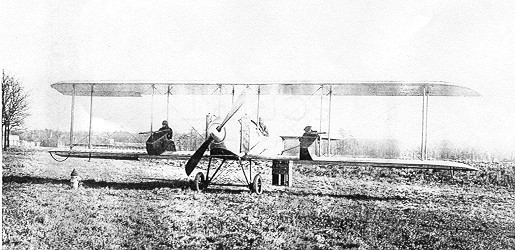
(235, 107)
(195, 158)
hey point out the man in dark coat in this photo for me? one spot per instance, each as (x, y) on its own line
(161, 140)
(165, 127)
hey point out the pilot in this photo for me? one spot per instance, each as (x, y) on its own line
(165, 126)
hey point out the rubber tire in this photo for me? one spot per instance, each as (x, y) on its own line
(198, 182)
(257, 184)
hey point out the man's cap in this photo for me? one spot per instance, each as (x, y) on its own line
(307, 128)
(164, 122)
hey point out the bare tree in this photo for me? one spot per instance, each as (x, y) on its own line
(14, 106)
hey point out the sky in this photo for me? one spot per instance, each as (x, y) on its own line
(470, 44)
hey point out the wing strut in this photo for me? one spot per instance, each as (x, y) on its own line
(320, 121)
(427, 112)
(258, 99)
(90, 115)
(232, 95)
(152, 110)
(423, 143)
(167, 103)
(329, 121)
(219, 98)
(72, 116)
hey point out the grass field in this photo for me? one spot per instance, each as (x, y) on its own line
(148, 205)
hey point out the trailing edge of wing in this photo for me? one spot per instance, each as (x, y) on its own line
(373, 162)
(396, 163)
(115, 154)
(338, 88)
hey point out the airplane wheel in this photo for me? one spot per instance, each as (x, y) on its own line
(257, 185)
(198, 182)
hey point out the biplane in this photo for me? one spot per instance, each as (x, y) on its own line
(253, 141)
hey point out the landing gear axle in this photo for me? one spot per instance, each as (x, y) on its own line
(201, 181)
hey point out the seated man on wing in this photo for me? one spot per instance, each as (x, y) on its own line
(166, 128)
(161, 140)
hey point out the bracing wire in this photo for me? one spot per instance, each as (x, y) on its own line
(184, 119)
(289, 127)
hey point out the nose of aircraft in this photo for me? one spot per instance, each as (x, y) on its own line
(218, 136)
(215, 132)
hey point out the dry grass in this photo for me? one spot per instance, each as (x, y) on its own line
(148, 205)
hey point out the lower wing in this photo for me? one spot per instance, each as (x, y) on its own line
(118, 154)
(373, 162)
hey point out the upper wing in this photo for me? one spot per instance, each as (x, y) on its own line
(374, 162)
(339, 88)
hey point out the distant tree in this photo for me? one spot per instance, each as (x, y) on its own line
(446, 149)
(15, 106)
(188, 141)
(390, 148)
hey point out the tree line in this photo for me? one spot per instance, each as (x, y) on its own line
(353, 147)
(389, 149)
(54, 138)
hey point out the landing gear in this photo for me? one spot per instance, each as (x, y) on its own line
(257, 185)
(201, 181)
